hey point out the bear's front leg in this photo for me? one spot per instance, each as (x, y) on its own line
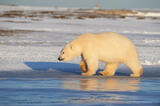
(92, 66)
(109, 69)
(83, 66)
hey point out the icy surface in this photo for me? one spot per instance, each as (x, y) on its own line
(31, 75)
(46, 37)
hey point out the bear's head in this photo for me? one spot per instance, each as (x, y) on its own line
(69, 52)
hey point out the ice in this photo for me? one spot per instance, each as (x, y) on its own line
(30, 73)
(149, 14)
(56, 33)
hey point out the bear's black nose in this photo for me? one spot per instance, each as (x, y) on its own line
(60, 59)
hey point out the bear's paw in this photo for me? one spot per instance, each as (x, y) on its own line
(103, 73)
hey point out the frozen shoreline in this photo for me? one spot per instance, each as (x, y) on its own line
(40, 39)
(31, 75)
(70, 13)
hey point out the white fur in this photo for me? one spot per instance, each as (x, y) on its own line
(108, 47)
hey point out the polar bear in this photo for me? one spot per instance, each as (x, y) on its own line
(109, 47)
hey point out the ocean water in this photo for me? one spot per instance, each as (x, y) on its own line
(116, 91)
(129, 4)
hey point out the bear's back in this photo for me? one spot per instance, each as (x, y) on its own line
(107, 39)
(108, 45)
(111, 36)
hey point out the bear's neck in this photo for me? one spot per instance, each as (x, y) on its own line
(79, 44)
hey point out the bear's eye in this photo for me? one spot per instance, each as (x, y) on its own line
(62, 52)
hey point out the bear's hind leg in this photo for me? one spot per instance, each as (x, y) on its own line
(140, 72)
(135, 67)
(109, 69)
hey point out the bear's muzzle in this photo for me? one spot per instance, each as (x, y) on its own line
(60, 59)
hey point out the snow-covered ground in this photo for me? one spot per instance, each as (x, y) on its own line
(42, 40)
(29, 47)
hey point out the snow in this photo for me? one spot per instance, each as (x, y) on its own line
(48, 36)
(30, 73)
(149, 14)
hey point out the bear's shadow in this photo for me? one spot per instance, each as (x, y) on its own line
(54, 66)
(62, 68)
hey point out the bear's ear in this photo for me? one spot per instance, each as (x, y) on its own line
(72, 47)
